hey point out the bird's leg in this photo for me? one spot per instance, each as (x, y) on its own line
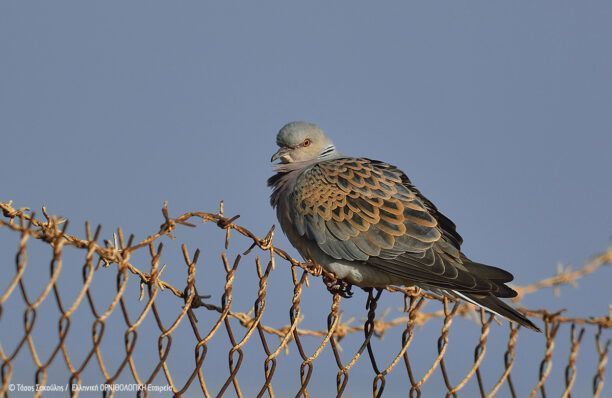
(338, 286)
(198, 299)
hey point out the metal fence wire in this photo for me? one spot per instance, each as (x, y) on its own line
(52, 359)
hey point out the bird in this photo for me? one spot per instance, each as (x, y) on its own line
(366, 223)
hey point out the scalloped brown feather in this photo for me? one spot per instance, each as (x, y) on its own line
(357, 209)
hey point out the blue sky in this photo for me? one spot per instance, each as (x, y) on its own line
(498, 111)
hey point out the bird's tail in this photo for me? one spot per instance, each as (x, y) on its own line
(497, 306)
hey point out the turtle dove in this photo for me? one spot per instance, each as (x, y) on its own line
(364, 221)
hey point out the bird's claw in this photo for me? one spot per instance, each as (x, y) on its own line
(198, 299)
(338, 286)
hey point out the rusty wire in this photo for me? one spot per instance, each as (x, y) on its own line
(98, 257)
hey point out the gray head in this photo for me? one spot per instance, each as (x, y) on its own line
(302, 141)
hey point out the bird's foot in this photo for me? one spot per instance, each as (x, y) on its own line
(198, 299)
(338, 286)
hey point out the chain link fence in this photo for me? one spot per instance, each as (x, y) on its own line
(164, 332)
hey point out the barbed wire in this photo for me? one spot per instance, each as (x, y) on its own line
(52, 230)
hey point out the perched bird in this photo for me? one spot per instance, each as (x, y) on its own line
(364, 221)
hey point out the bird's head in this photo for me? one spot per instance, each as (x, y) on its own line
(302, 141)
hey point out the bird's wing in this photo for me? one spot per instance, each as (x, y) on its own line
(358, 209)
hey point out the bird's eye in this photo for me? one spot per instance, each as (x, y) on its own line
(306, 142)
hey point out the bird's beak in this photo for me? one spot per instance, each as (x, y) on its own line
(282, 151)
